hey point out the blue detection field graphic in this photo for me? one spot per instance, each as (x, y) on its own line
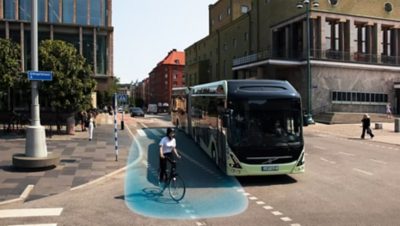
(209, 193)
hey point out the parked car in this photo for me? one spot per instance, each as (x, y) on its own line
(137, 112)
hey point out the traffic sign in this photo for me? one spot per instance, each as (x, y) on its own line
(40, 75)
(122, 97)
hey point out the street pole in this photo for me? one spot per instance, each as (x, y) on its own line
(310, 120)
(35, 145)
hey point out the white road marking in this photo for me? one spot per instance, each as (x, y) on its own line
(260, 203)
(295, 225)
(363, 171)
(246, 194)
(200, 223)
(378, 161)
(253, 198)
(345, 153)
(326, 160)
(286, 219)
(277, 213)
(38, 212)
(141, 133)
(268, 207)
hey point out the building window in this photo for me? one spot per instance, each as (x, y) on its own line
(220, 17)
(234, 43)
(359, 98)
(246, 36)
(68, 11)
(81, 12)
(361, 39)
(25, 9)
(387, 40)
(228, 11)
(54, 11)
(41, 10)
(95, 12)
(9, 9)
(332, 35)
(101, 54)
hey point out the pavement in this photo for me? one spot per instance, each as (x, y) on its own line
(84, 161)
(353, 131)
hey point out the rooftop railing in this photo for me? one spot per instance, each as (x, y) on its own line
(316, 54)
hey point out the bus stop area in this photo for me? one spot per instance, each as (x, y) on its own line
(82, 161)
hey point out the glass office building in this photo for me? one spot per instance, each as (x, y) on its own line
(84, 23)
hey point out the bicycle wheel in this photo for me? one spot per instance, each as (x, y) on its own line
(177, 188)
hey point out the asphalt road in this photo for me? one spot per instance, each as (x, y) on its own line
(347, 182)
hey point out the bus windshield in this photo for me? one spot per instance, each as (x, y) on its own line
(265, 123)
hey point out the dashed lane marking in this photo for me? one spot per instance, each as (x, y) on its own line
(286, 219)
(328, 161)
(37, 212)
(260, 203)
(268, 207)
(345, 153)
(363, 172)
(277, 213)
(379, 161)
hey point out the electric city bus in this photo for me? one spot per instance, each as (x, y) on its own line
(248, 127)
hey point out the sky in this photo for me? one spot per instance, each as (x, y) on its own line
(145, 31)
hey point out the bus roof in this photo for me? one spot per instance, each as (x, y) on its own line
(261, 88)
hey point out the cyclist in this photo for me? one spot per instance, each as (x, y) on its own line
(167, 147)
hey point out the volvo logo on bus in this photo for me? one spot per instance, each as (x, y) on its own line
(270, 160)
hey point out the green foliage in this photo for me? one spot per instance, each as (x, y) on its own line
(10, 63)
(72, 85)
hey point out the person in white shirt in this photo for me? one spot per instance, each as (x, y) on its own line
(167, 147)
(91, 126)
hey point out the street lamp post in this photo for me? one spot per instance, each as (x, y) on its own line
(300, 5)
(36, 155)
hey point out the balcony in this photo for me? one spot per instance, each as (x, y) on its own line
(316, 54)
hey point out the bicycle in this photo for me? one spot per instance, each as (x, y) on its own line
(176, 185)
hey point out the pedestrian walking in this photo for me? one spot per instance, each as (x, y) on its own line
(388, 110)
(366, 123)
(91, 125)
(83, 119)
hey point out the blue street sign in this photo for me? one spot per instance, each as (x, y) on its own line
(122, 97)
(40, 75)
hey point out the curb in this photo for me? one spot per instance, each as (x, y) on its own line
(21, 198)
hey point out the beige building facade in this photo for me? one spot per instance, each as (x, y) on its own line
(354, 51)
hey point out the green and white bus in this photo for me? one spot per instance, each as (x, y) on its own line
(248, 127)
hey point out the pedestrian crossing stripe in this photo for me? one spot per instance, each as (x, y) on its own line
(37, 212)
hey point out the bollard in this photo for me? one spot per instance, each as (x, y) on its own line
(396, 125)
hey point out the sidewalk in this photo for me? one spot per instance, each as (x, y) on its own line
(353, 131)
(81, 161)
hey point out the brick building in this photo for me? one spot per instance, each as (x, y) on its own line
(167, 74)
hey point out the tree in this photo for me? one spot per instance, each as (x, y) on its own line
(72, 86)
(10, 66)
